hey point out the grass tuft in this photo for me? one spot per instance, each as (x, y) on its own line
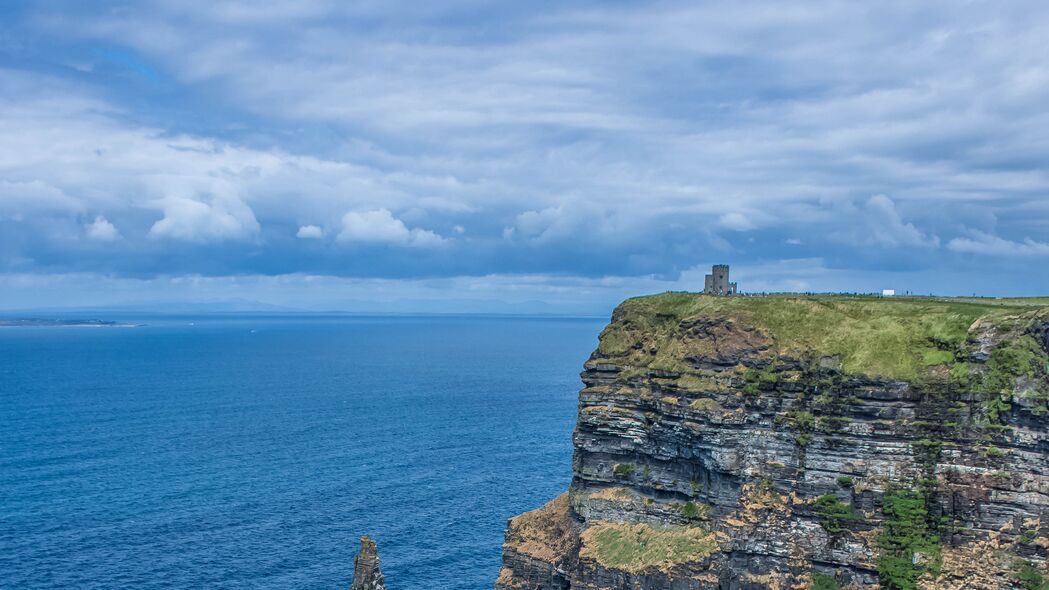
(639, 547)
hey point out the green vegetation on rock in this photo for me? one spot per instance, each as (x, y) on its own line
(933, 357)
(899, 338)
(697, 384)
(961, 373)
(801, 420)
(638, 547)
(759, 377)
(823, 582)
(704, 404)
(695, 510)
(908, 547)
(992, 453)
(1029, 577)
(1016, 358)
(833, 513)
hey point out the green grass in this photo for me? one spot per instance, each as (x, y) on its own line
(639, 547)
(697, 384)
(1009, 300)
(961, 373)
(992, 453)
(695, 510)
(931, 357)
(823, 582)
(889, 337)
(705, 404)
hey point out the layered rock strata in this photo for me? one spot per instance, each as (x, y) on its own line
(367, 575)
(802, 443)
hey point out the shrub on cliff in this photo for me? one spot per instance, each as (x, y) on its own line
(833, 513)
(695, 510)
(908, 547)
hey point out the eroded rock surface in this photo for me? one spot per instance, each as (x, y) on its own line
(367, 574)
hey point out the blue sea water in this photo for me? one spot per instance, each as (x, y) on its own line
(252, 452)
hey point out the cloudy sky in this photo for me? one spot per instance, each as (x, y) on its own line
(524, 156)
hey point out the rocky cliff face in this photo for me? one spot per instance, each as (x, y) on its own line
(802, 443)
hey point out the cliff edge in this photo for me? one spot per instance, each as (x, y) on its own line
(803, 442)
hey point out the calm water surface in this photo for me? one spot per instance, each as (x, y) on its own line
(252, 452)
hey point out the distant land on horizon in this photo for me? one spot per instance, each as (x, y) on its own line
(67, 323)
(411, 307)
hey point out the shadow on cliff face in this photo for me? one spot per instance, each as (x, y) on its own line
(1040, 331)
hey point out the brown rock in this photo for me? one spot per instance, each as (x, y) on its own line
(366, 572)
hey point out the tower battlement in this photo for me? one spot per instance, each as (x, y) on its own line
(717, 283)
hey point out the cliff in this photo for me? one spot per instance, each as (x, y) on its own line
(803, 442)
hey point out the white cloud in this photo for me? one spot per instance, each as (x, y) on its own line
(373, 226)
(191, 220)
(379, 226)
(539, 225)
(889, 228)
(880, 224)
(570, 135)
(580, 222)
(20, 200)
(426, 238)
(735, 221)
(987, 244)
(310, 232)
(102, 230)
(917, 104)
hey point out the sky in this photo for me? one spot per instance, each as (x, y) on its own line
(518, 156)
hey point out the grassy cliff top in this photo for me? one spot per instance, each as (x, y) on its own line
(895, 337)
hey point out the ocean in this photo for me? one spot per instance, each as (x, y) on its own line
(253, 452)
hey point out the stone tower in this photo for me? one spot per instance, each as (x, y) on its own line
(717, 283)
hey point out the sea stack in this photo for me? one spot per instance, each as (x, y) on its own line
(366, 572)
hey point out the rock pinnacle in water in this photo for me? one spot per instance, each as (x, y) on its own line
(366, 572)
